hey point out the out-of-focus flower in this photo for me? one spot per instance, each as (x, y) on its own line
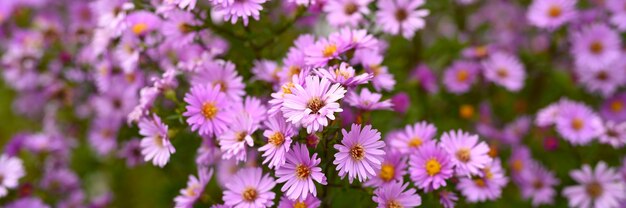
(401, 17)
(614, 134)
(487, 186)
(11, 170)
(614, 108)
(426, 78)
(309, 202)
(447, 199)
(155, 145)
(221, 73)
(577, 123)
(30, 202)
(506, 70)
(360, 153)
(250, 188)
(469, 155)
(400, 102)
(551, 14)
(596, 46)
(244, 9)
(460, 77)
(195, 187)
(413, 137)
(538, 184)
(367, 100)
(346, 12)
(234, 140)
(599, 187)
(131, 151)
(391, 170)
(396, 194)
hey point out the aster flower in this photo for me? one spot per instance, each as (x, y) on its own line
(488, 186)
(177, 28)
(400, 102)
(142, 22)
(343, 74)
(614, 108)
(346, 12)
(577, 123)
(447, 199)
(360, 153)
(519, 161)
(30, 202)
(221, 73)
(395, 194)
(468, 154)
(367, 100)
(267, 71)
(401, 17)
(11, 170)
(312, 105)
(299, 172)
(155, 145)
(430, 166)
(547, 115)
(597, 188)
(603, 80)
(103, 134)
(506, 70)
(381, 78)
(208, 153)
(252, 106)
(183, 4)
(538, 184)
(243, 9)
(278, 134)
(310, 202)
(551, 14)
(324, 50)
(250, 188)
(195, 186)
(207, 109)
(460, 77)
(413, 137)
(614, 134)
(596, 46)
(131, 152)
(392, 169)
(618, 17)
(234, 140)
(426, 78)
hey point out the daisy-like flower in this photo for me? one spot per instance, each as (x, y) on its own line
(396, 194)
(447, 199)
(519, 161)
(221, 73)
(460, 77)
(310, 202)
(195, 186)
(243, 9)
(547, 115)
(103, 134)
(381, 78)
(234, 140)
(346, 12)
(577, 123)
(299, 172)
(267, 71)
(506, 70)
(413, 137)
(183, 4)
(614, 134)
(597, 188)
(401, 16)
(603, 80)
(141, 22)
(392, 169)
(596, 46)
(367, 100)
(207, 109)
(551, 14)
(344, 75)
(614, 108)
(360, 153)
(312, 105)
(11, 170)
(324, 50)
(155, 145)
(468, 154)
(252, 107)
(430, 166)
(538, 184)
(177, 28)
(487, 186)
(618, 17)
(250, 188)
(278, 134)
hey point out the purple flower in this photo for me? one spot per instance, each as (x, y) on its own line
(596, 46)
(401, 16)
(183, 4)
(468, 154)
(131, 151)
(382, 79)
(487, 186)
(177, 28)
(249, 188)
(426, 78)
(603, 80)
(221, 73)
(538, 184)
(278, 134)
(597, 188)
(519, 161)
(367, 100)
(430, 166)
(460, 77)
(299, 173)
(195, 186)
(447, 199)
(392, 169)
(401, 102)
(395, 194)
(234, 140)
(360, 153)
(11, 170)
(155, 145)
(614, 134)
(309, 202)
(267, 71)
(208, 153)
(413, 137)
(325, 50)
(506, 70)
(618, 17)
(245, 9)
(103, 134)
(313, 104)
(577, 123)
(142, 22)
(59, 180)
(551, 14)
(30, 202)
(207, 109)
(343, 74)
(346, 12)
(614, 108)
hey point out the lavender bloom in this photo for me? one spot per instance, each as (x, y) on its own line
(401, 16)
(614, 134)
(360, 153)
(250, 188)
(156, 144)
(344, 75)
(367, 100)
(395, 194)
(278, 134)
(596, 46)
(30, 202)
(468, 154)
(195, 187)
(577, 123)
(538, 184)
(392, 169)
(413, 137)
(488, 186)
(460, 77)
(346, 12)
(309, 202)
(207, 110)
(506, 70)
(11, 170)
(131, 151)
(601, 187)
(233, 141)
(400, 102)
(221, 73)
(614, 108)
(430, 166)
(551, 14)
(299, 173)
(447, 199)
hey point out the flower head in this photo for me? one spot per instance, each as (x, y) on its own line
(299, 172)
(367, 100)
(392, 169)
(468, 154)
(195, 187)
(599, 187)
(155, 145)
(596, 46)
(401, 16)
(343, 74)
(250, 188)
(577, 123)
(551, 14)
(207, 109)
(460, 77)
(506, 70)
(430, 166)
(396, 194)
(614, 108)
(346, 12)
(221, 73)
(244, 9)
(309, 202)
(234, 140)
(538, 184)
(11, 170)
(413, 137)
(487, 186)
(360, 153)
(278, 134)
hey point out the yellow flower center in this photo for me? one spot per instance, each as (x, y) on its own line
(387, 171)
(158, 140)
(357, 152)
(555, 11)
(139, 28)
(415, 142)
(480, 51)
(277, 139)
(577, 124)
(209, 110)
(462, 75)
(249, 194)
(466, 111)
(240, 136)
(433, 167)
(287, 88)
(617, 106)
(315, 104)
(594, 189)
(596, 47)
(294, 70)
(502, 73)
(479, 182)
(351, 8)
(463, 155)
(302, 172)
(329, 50)
(517, 165)
(376, 69)
(299, 204)
(394, 204)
